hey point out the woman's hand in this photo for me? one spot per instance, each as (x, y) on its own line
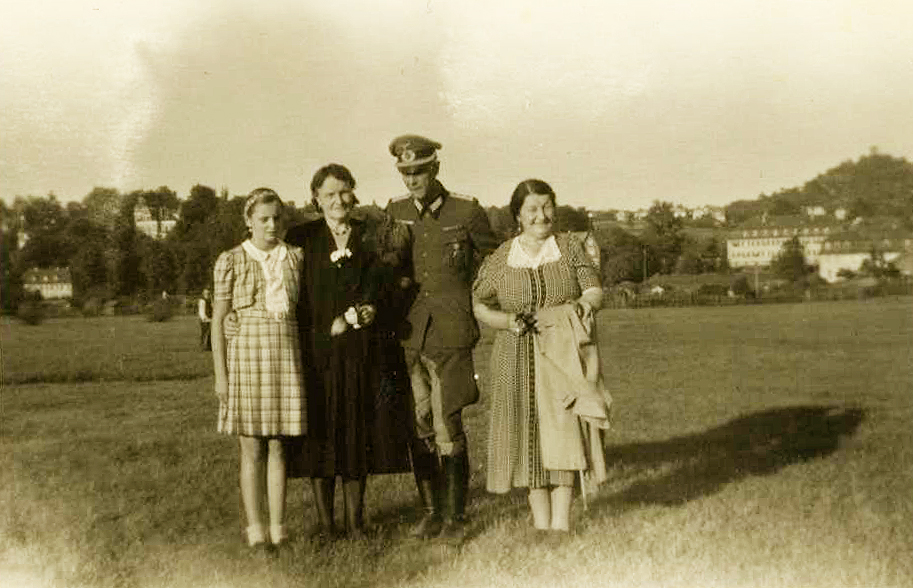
(338, 327)
(222, 390)
(523, 323)
(366, 314)
(582, 307)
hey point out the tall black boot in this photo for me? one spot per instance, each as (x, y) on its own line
(428, 483)
(324, 494)
(353, 491)
(456, 472)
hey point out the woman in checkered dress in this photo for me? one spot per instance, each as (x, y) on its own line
(535, 270)
(258, 371)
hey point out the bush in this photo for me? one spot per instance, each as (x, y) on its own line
(30, 312)
(92, 307)
(160, 311)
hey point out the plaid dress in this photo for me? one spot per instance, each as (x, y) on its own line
(265, 382)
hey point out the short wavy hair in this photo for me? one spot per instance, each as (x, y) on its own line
(524, 189)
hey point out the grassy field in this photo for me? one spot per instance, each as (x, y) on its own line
(765, 446)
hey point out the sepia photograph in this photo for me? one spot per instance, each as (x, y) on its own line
(426, 294)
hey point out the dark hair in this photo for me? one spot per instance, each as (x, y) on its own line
(338, 171)
(261, 196)
(524, 189)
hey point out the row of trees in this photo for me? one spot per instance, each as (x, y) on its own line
(108, 257)
(663, 247)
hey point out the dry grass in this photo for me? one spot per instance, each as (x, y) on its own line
(754, 446)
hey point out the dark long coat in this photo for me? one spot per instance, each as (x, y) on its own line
(358, 398)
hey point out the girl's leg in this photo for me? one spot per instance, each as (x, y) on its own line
(252, 478)
(540, 505)
(561, 507)
(275, 490)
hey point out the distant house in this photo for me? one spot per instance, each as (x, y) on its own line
(52, 284)
(848, 250)
(147, 223)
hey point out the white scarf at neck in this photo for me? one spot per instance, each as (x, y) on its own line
(271, 263)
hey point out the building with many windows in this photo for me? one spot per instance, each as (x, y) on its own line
(848, 250)
(829, 245)
(51, 283)
(758, 241)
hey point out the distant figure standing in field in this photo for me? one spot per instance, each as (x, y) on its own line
(357, 404)
(450, 234)
(204, 313)
(258, 371)
(548, 402)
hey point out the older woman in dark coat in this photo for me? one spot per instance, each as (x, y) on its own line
(358, 417)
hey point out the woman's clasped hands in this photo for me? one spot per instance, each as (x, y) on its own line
(358, 316)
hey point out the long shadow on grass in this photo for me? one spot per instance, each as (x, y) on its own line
(684, 468)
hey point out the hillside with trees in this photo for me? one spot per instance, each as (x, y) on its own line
(875, 185)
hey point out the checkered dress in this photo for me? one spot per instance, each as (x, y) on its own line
(514, 441)
(265, 382)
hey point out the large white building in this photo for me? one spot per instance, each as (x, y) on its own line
(759, 241)
(848, 250)
(829, 245)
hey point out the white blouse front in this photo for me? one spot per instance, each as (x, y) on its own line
(518, 257)
(271, 263)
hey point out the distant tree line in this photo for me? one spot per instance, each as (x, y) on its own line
(875, 185)
(108, 257)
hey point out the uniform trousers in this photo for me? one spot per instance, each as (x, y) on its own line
(437, 376)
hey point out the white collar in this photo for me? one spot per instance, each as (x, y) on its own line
(277, 253)
(518, 257)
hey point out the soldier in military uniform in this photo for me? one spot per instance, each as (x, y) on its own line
(450, 236)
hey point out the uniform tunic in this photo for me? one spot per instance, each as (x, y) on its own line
(265, 381)
(514, 451)
(448, 243)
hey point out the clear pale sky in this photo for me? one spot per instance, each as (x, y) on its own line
(616, 103)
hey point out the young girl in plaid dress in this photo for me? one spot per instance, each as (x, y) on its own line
(258, 371)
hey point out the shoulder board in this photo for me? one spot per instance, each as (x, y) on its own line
(400, 198)
(464, 197)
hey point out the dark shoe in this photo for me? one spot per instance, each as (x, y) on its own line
(429, 526)
(453, 532)
(264, 550)
(356, 534)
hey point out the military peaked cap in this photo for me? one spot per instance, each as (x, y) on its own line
(413, 150)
